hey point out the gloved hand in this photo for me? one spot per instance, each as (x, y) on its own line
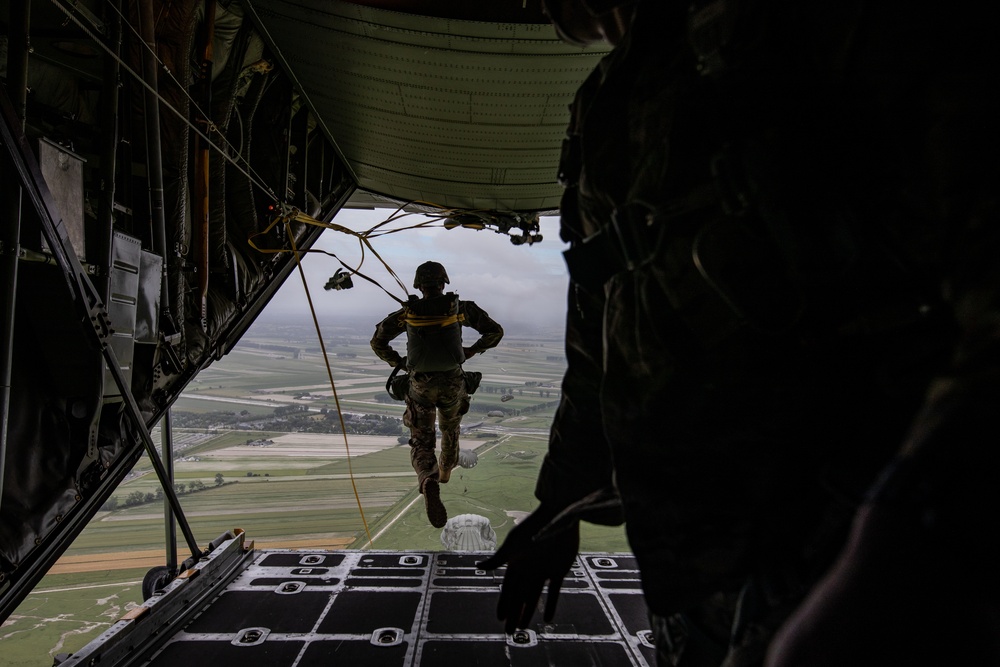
(530, 564)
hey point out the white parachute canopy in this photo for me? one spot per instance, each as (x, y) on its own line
(467, 458)
(468, 532)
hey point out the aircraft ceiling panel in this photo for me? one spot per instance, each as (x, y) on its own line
(463, 114)
(421, 131)
(474, 196)
(484, 176)
(421, 27)
(409, 145)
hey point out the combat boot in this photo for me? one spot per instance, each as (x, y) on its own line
(446, 463)
(444, 473)
(436, 512)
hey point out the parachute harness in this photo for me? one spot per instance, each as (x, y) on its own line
(432, 320)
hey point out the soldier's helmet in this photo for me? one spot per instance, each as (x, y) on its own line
(430, 273)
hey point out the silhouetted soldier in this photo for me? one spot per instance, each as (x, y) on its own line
(437, 383)
(782, 220)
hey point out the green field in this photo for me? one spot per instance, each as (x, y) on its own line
(303, 489)
(313, 500)
(64, 613)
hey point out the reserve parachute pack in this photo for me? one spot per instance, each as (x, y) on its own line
(434, 334)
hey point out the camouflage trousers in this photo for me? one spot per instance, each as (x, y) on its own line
(441, 396)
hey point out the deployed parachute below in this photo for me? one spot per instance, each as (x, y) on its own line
(468, 532)
(467, 458)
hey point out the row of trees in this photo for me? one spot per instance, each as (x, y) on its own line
(136, 498)
(214, 419)
(294, 418)
(369, 424)
(506, 389)
(481, 407)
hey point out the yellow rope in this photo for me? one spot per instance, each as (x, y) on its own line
(431, 320)
(329, 372)
(293, 214)
(286, 214)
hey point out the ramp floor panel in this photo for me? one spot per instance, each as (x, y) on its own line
(422, 609)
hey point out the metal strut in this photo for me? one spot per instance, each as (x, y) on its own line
(169, 330)
(10, 231)
(167, 453)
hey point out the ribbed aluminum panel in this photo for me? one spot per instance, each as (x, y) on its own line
(460, 114)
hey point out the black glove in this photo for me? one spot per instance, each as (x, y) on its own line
(530, 564)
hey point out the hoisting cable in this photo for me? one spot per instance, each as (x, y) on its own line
(396, 215)
(246, 170)
(329, 372)
(442, 215)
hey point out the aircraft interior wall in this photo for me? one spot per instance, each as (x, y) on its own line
(87, 275)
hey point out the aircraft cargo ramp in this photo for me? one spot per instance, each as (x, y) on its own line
(309, 608)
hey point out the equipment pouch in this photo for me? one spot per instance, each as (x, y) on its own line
(398, 386)
(472, 380)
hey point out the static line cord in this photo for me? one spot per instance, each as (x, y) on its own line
(290, 213)
(329, 372)
(293, 214)
(444, 213)
(209, 124)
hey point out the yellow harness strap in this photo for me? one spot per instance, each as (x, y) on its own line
(431, 320)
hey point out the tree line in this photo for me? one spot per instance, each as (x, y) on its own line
(136, 498)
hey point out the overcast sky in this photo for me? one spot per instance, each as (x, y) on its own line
(519, 286)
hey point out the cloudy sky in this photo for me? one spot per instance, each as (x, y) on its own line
(520, 286)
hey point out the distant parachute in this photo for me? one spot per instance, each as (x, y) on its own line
(467, 458)
(468, 532)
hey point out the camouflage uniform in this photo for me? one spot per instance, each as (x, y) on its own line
(435, 394)
(780, 229)
(441, 393)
